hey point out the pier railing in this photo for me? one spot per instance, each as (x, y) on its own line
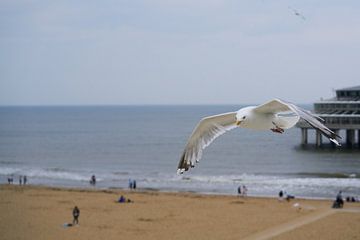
(336, 122)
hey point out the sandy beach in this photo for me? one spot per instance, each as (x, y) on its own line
(34, 212)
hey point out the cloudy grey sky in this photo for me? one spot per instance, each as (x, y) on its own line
(176, 51)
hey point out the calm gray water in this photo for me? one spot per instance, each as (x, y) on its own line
(64, 146)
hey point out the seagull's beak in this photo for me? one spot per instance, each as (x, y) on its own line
(238, 123)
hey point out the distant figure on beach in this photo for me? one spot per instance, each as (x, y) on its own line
(11, 179)
(93, 180)
(242, 191)
(288, 196)
(281, 194)
(20, 180)
(76, 214)
(130, 183)
(339, 202)
(25, 179)
(239, 191)
(122, 199)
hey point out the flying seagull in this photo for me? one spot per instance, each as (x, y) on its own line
(297, 13)
(275, 115)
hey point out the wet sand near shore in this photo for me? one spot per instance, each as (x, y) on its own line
(36, 212)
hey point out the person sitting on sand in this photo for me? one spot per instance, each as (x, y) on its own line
(76, 214)
(289, 197)
(122, 199)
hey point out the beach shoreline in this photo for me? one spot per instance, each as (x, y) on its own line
(42, 212)
(165, 191)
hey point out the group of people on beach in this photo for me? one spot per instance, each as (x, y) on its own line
(132, 184)
(22, 180)
(76, 211)
(339, 200)
(242, 191)
(122, 199)
(284, 195)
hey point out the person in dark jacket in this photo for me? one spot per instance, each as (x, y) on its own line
(76, 214)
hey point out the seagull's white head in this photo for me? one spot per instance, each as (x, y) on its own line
(243, 115)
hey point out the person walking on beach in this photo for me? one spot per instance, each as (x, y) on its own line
(76, 214)
(93, 180)
(20, 180)
(130, 183)
(239, 191)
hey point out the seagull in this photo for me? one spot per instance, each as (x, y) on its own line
(297, 13)
(275, 115)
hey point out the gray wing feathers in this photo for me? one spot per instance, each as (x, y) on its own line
(313, 120)
(278, 106)
(203, 135)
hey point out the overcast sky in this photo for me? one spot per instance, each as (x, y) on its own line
(71, 52)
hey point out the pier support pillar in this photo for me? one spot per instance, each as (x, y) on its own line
(318, 139)
(304, 136)
(350, 137)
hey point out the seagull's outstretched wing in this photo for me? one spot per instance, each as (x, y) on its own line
(203, 135)
(277, 106)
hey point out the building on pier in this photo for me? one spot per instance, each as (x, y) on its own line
(341, 113)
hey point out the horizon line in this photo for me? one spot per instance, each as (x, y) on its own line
(131, 105)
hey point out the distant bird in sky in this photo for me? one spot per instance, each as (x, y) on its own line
(297, 13)
(275, 115)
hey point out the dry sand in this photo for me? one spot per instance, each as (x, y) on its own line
(33, 212)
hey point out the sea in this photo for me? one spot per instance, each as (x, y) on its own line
(65, 145)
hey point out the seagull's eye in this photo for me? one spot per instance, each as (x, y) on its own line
(243, 117)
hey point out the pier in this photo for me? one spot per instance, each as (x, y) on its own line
(341, 113)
